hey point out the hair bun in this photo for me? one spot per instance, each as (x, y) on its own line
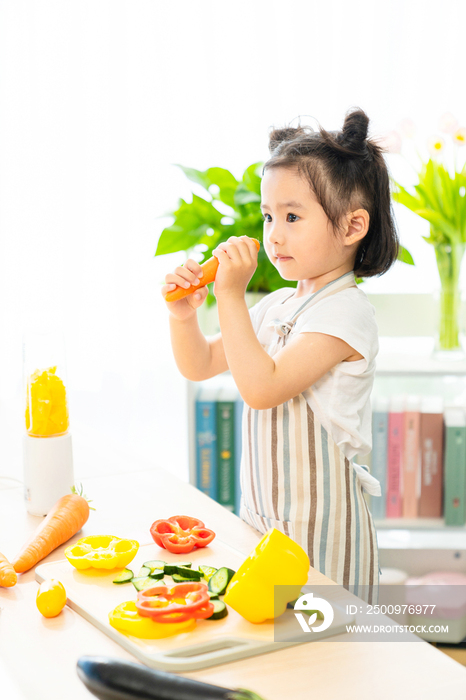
(278, 136)
(354, 132)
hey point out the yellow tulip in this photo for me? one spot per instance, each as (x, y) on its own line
(459, 137)
(436, 145)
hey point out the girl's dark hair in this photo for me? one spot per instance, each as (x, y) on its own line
(346, 171)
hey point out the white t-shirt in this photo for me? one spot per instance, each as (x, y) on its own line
(341, 398)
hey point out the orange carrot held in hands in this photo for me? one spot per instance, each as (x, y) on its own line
(66, 518)
(209, 269)
(8, 575)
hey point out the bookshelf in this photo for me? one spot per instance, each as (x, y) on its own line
(407, 365)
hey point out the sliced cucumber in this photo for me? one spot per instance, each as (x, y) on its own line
(155, 564)
(208, 571)
(181, 579)
(219, 581)
(185, 564)
(220, 610)
(170, 569)
(157, 574)
(213, 596)
(142, 582)
(191, 574)
(124, 576)
(143, 571)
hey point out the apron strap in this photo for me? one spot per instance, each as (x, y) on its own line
(283, 328)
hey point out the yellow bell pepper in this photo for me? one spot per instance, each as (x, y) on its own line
(276, 561)
(101, 552)
(125, 618)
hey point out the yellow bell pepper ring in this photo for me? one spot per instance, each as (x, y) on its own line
(276, 561)
(101, 552)
(125, 618)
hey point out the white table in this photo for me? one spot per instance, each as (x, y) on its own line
(41, 654)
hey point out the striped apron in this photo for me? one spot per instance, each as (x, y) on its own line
(295, 478)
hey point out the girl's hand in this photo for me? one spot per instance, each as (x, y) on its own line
(237, 263)
(184, 276)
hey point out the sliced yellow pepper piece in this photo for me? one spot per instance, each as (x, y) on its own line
(276, 561)
(126, 618)
(48, 413)
(101, 552)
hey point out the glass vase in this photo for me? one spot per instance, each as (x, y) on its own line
(448, 342)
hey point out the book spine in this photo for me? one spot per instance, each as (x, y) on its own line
(239, 405)
(410, 463)
(226, 454)
(455, 471)
(394, 452)
(379, 460)
(206, 452)
(431, 477)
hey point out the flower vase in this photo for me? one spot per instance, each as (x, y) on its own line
(448, 342)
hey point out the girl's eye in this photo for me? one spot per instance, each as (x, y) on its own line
(264, 217)
(293, 219)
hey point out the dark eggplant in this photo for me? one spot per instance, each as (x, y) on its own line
(112, 679)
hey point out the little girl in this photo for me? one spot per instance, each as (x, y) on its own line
(303, 358)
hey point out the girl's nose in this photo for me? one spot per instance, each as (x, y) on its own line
(275, 233)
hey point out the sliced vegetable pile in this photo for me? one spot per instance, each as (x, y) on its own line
(195, 595)
(181, 533)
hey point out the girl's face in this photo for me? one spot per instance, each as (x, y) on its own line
(298, 236)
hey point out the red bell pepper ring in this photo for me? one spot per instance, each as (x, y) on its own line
(159, 602)
(181, 533)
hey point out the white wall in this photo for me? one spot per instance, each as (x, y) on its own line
(99, 98)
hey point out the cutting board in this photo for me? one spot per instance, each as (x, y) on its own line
(93, 595)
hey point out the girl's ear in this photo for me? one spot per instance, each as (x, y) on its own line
(356, 226)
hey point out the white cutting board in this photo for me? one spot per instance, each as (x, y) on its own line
(211, 642)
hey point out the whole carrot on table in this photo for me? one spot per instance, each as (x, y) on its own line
(8, 575)
(66, 518)
(209, 268)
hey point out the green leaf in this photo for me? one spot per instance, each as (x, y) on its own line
(245, 196)
(226, 182)
(252, 177)
(197, 176)
(403, 197)
(190, 225)
(220, 177)
(405, 256)
(438, 221)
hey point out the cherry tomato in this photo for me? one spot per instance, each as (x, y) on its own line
(51, 597)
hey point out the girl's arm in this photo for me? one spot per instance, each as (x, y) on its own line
(263, 381)
(196, 356)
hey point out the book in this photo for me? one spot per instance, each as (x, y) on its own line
(455, 466)
(206, 438)
(430, 488)
(379, 453)
(411, 453)
(239, 406)
(226, 481)
(394, 503)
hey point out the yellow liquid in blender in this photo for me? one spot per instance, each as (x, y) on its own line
(49, 409)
